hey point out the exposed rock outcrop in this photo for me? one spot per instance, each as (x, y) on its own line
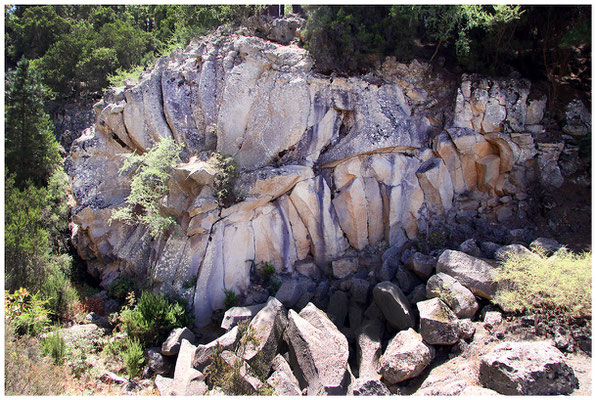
(329, 166)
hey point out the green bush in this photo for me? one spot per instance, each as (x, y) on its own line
(27, 313)
(230, 299)
(54, 346)
(153, 317)
(121, 287)
(559, 284)
(227, 172)
(148, 186)
(133, 357)
(268, 271)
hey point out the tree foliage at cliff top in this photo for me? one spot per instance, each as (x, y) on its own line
(539, 41)
(75, 47)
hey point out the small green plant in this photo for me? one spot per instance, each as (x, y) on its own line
(559, 284)
(133, 357)
(148, 186)
(54, 346)
(189, 283)
(228, 376)
(113, 348)
(122, 75)
(27, 312)
(26, 372)
(268, 271)
(231, 299)
(121, 287)
(153, 317)
(224, 179)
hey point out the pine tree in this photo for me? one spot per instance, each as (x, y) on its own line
(31, 149)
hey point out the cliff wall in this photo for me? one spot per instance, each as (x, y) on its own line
(330, 167)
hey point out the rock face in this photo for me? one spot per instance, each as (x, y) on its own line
(527, 368)
(327, 166)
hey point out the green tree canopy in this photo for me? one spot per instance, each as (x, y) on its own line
(31, 149)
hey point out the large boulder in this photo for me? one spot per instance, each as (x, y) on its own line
(237, 314)
(406, 357)
(438, 324)
(158, 363)
(474, 273)
(527, 368)
(267, 328)
(421, 264)
(318, 352)
(394, 305)
(204, 352)
(172, 344)
(369, 387)
(282, 380)
(187, 380)
(368, 349)
(461, 301)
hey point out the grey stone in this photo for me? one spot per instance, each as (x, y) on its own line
(369, 387)
(203, 352)
(238, 314)
(512, 249)
(394, 305)
(267, 327)
(527, 368)
(359, 290)
(578, 119)
(474, 273)
(308, 269)
(172, 344)
(459, 299)
(247, 380)
(467, 329)
(422, 265)
(290, 291)
(477, 391)
(187, 380)
(164, 385)
(344, 267)
(338, 308)
(489, 249)
(406, 357)
(280, 364)
(548, 245)
(492, 319)
(406, 279)
(283, 385)
(418, 294)
(373, 312)
(158, 363)
(386, 271)
(368, 348)
(438, 324)
(470, 247)
(318, 352)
